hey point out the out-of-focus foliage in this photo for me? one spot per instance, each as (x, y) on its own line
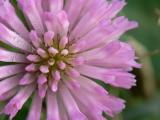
(147, 13)
(142, 105)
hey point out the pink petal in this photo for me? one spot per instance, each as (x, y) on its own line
(8, 56)
(77, 47)
(8, 14)
(16, 103)
(30, 9)
(63, 42)
(91, 86)
(115, 55)
(114, 77)
(71, 83)
(9, 83)
(63, 22)
(28, 78)
(62, 110)
(35, 110)
(74, 8)
(114, 104)
(72, 72)
(56, 76)
(6, 71)
(9, 94)
(11, 38)
(91, 17)
(35, 39)
(42, 79)
(48, 38)
(52, 106)
(57, 22)
(55, 5)
(42, 89)
(71, 105)
(90, 106)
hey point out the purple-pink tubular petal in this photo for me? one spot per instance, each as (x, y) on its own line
(16, 103)
(11, 38)
(53, 112)
(35, 110)
(9, 70)
(8, 56)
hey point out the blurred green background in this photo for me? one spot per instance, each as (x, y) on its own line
(143, 101)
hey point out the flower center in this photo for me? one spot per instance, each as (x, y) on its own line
(53, 57)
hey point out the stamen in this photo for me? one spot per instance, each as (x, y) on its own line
(56, 75)
(54, 85)
(51, 62)
(44, 69)
(61, 65)
(31, 68)
(64, 52)
(42, 53)
(33, 58)
(53, 51)
(42, 79)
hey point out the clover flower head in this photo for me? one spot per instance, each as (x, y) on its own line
(62, 49)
